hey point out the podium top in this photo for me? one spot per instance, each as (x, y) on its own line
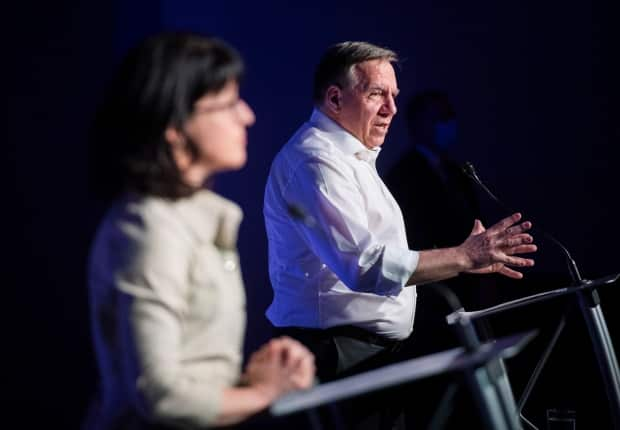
(539, 297)
(407, 371)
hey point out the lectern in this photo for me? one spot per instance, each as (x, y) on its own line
(485, 380)
(585, 293)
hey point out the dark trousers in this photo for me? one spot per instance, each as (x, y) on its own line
(344, 351)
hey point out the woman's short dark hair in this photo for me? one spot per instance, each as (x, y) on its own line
(155, 87)
(335, 67)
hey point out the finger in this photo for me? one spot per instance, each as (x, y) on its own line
(305, 363)
(517, 261)
(304, 373)
(510, 273)
(505, 223)
(521, 249)
(477, 228)
(515, 240)
(295, 353)
(307, 360)
(293, 343)
(304, 379)
(518, 229)
(271, 351)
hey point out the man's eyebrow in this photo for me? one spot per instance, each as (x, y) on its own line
(383, 88)
(375, 87)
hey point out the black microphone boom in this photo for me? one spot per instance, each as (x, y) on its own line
(589, 303)
(469, 170)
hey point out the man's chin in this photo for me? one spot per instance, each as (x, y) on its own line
(376, 143)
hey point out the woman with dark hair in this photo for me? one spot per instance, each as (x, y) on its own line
(166, 294)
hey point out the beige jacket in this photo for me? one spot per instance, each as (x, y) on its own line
(168, 309)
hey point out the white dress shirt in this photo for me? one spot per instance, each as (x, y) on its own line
(348, 262)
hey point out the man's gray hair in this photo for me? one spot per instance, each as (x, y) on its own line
(337, 64)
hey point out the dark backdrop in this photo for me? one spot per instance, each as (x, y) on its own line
(535, 89)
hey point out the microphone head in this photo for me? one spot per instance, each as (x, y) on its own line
(468, 168)
(296, 212)
(299, 214)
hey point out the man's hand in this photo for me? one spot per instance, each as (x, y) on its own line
(493, 250)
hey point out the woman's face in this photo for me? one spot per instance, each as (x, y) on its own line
(217, 129)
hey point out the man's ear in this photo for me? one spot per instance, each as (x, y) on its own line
(333, 99)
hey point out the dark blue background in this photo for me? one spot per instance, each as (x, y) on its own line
(536, 94)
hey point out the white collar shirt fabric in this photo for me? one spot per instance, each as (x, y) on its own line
(347, 260)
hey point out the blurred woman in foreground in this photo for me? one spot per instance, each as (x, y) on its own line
(166, 293)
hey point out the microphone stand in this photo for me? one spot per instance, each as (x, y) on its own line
(589, 304)
(489, 383)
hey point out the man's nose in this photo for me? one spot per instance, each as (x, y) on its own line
(389, 107)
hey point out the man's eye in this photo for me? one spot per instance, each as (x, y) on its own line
(232, 104)
(219, 107)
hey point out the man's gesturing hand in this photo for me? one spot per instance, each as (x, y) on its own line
(494, 249)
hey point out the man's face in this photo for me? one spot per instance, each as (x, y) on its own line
(368, 105)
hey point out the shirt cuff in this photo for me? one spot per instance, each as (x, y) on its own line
(399, 264)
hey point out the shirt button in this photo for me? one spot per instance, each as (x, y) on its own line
(307, 275)
(229, 265)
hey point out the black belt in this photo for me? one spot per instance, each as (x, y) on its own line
(343, 330)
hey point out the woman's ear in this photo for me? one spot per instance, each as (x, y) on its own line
(174, 137)
(178, 146)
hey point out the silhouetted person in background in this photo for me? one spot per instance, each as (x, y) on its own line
(438, 201)
(439, 205)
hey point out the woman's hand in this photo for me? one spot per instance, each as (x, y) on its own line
(281, 365)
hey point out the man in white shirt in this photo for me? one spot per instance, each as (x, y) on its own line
(344, 276)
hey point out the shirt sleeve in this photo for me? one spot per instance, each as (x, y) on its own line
(153, 282)
(338, 232)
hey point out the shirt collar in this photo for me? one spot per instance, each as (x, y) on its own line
(347, 143)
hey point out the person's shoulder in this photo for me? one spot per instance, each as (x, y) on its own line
(206, 203)
(307, 144)
(133, 221)
(147, 218)
(407, 162)
(152, 209)
(209, 198)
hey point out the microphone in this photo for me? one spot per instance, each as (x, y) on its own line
(469, 170)
(298, 213)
